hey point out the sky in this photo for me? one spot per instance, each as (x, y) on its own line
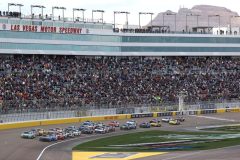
(132, 6)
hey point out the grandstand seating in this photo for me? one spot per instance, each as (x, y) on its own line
(82, 80)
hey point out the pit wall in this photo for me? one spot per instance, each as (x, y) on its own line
(6, 126)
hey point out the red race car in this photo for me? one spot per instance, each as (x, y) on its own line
(60, 136)
(114, 124)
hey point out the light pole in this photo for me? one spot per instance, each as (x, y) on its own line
(163, 19)
(120, 12)
(79, 9)
(145, 13)
(62, 8)
(175, 19)
(197, 18)
(53, 11)
(98, 11)
(114, 23)
(83, 17)
(15, 4)
(209, 16)
(231, 22)
(127, 18)
(36, 6)
(193, 15)
(187, 22)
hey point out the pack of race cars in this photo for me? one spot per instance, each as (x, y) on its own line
(89, 127)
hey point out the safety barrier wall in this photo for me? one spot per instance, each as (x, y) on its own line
(15, 125)
(19, 125)
(57, 113)
(191, 112)
(5, 126)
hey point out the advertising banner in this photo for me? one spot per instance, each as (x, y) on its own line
(142, 115)
(208, 111)
(162, 114)
(42, 29)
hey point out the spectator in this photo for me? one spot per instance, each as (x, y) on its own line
(40, 81)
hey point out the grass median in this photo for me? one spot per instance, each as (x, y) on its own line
(155, 141)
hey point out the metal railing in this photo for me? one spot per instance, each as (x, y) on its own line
(50, 110)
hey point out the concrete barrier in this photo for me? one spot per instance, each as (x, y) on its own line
(221, 110)
(5, 126)
(59, 121)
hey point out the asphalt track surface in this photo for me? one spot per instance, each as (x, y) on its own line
(13, 147)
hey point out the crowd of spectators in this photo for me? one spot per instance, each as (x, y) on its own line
(34, 81)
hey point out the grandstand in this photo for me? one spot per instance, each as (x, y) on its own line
(48, 64)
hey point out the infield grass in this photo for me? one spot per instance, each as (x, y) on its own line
(109, 143)
(234, 129)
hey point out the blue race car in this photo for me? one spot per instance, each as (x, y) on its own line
(48, 138)
(145, 125)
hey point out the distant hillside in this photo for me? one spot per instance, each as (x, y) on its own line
(203, 11)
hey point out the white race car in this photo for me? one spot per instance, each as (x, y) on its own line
(166, 119)
(76, 132)
(132, 122)
(101, 130)
(28, 135)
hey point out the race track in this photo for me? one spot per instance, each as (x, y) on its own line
(13, 147)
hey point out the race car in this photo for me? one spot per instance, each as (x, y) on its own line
(87, 130)
(132, 124)
(40, 132)
(125, 126)
(128, 126)
(100, 130)
(76, 132)
(110, 128)
(65, 134)
(166, 119)
(34, 130)
(114, 124)
(70, 134)
(145, 125)
(60, 136)
(82, 127)
(154, 121)
(99, 124)
(71, 128)
(181, 119)
(59, 130)
(88, 124)
(174, 122)
(28, 135)
(48, 138)
(156, 124)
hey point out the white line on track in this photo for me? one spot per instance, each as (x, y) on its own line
(96, 135)
(215, 118)
(40, 155)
